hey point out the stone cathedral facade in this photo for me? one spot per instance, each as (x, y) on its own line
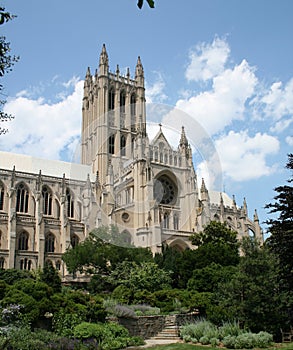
(146, 187)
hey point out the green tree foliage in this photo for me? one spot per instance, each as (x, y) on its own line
(140, 276)
(51, 276)
(281, 231)
(6, 62)
(252, 295)
(216, 243)
(101, 253)
(208, 278)
(150, 2)
(10, 276)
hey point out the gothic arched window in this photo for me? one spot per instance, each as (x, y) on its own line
(122, 101)
(1, 196)
(47, 200)
(74, 241)
(133, 105)
(50, 243)
(123, 145)
(166, 220)
(175, 222)
(2, 263)
(58, 265)
(23, 241)
(25, 264)
(69, 204)
(111, 99)
(111, 144)
(22, 196)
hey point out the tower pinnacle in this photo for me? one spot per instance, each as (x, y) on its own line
(104, 61)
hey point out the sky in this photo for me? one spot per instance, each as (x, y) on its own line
(227, 64)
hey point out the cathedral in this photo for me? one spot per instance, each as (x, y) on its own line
(147, 188)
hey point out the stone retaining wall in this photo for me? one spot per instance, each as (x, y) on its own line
(149, 326)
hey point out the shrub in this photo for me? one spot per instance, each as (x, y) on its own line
(86, 330)
(204, 340)
(122, 294)
(263, 339)
(229, 341)
(143, 309)
(64, 323)
(245, 341)
(230, 328)
(248, 340)
(214, 341)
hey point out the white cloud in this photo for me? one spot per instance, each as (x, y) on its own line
(278, 101)
(289, 140)
(155, 92)
(44, 130)
(207, 60)
(244, 157)
(217, 108)
(281, 125)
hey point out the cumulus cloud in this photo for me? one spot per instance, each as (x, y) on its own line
(289, 140)
(155, 91)
(278, 101)
(207, 60)
(42, 129)
(217, 108)
(244, 157)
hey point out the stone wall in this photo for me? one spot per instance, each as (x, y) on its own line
(149, 326)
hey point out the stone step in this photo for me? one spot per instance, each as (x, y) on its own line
(167, 338)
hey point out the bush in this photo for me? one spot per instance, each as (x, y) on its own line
(230, 328)
(263, 339)
(110, 336)
(143, 309)
(204, 340)
(64, 323)
(86, 330)
(245, 341)
(248, 340)
(122, 294)
(229, 341)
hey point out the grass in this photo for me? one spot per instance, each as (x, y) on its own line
(180, 346)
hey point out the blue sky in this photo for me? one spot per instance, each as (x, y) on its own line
(227, 63)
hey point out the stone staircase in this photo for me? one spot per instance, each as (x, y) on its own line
(170, 330)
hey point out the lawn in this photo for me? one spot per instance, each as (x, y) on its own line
(198, 347)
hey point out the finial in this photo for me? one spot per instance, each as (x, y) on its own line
(139, 68)
(203, 186)
(183, 138)
(104, 56)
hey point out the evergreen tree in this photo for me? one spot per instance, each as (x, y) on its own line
(252, 296)
(281, 235)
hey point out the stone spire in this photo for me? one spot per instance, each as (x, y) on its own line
(255, 216)
(183, 139)
(104, 61)
(245, 206)
(139, 74)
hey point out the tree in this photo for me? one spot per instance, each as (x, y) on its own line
(150, 2)
(281, 236)
(216, 243)
(51, 276)
(100, 253)
(6, 63)
(141, 276)
(252, 296)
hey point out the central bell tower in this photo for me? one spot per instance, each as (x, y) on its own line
(113, 113)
